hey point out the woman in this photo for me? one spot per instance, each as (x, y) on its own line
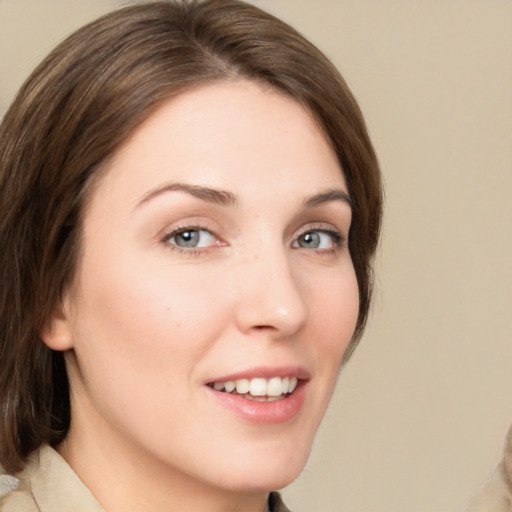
(190, 204)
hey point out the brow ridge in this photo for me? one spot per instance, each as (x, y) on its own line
(211, 195)
(226, 198)
(327, 196)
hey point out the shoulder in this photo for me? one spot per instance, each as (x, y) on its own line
(8, 483)
(15, 494)
(46, 483)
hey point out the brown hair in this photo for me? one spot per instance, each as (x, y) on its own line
(73, 112)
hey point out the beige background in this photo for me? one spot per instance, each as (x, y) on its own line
(421, 410)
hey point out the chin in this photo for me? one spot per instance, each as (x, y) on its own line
(279, 480)
(258, 483)
(265, 474)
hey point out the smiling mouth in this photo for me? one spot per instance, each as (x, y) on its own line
(258, 389)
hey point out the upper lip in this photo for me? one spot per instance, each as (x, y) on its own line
(266, 372)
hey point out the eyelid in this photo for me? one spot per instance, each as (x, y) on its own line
(176, 230)
(340, 239)
(210, 238)
(326, 227)
(197, 222)
(171, 232)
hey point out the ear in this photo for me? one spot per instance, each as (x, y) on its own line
(58, 333)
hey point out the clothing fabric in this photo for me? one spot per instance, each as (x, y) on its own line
(496, 494)
(48, 484)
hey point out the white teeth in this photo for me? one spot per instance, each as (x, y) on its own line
(272, 388)
(285, 384)
(263, 398)
(275, 388)
(229, 386)
(242, 386)
(258, 387)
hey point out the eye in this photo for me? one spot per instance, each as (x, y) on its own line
(322, 239)
(191, 238)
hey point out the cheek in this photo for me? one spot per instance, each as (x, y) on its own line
(140, 337)
(335, 313)
(156, 312)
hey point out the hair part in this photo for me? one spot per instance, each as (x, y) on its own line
(72, 113)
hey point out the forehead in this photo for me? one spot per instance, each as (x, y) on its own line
(237, 135)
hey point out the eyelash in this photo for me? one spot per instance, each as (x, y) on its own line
(339, 241)
(191, 251)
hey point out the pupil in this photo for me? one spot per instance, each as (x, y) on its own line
(187, 238)
(311, 239)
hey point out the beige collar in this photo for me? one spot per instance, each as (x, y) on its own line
(48, 483)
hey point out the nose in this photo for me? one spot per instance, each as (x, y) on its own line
(271, 298)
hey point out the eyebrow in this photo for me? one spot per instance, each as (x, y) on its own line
(211, 195)
(225, 198)
(327, 196)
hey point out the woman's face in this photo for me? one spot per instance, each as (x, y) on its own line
(214, 255)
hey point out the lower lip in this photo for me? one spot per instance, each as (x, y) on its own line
(265, 413)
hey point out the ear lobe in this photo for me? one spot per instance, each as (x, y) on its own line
(57, 334)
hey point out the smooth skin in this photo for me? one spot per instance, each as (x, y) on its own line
(214, 243)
